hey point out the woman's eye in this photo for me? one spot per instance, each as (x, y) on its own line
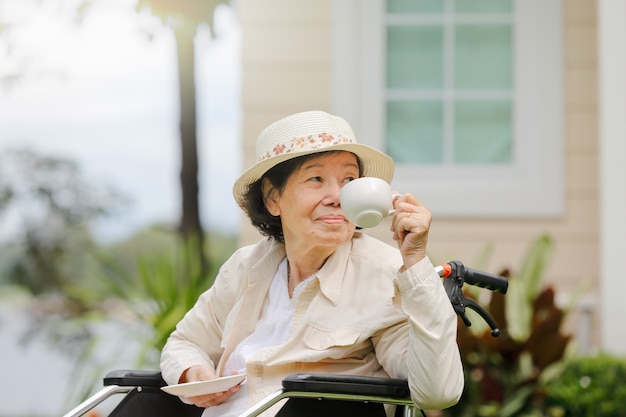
(315, 179)
(348, 179)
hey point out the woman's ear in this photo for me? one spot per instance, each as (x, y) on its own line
(269, 198)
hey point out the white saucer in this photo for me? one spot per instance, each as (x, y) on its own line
(192, 389)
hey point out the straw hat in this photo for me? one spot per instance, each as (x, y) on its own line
(304, 134)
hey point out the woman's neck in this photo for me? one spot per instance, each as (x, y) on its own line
(300, 266)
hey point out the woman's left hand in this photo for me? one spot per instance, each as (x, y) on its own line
(410, 225)
(206, 373)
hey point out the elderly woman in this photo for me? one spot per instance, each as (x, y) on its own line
(317, 295)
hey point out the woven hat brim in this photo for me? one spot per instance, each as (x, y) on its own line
(374, 164)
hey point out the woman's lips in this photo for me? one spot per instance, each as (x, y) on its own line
(332, 219)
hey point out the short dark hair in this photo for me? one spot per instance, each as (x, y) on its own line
(254, 201)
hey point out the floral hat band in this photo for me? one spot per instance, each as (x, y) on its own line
(307, 133)
(310, 142)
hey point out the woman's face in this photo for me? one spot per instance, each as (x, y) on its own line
(309, 204)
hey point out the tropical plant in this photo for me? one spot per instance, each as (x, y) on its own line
(504, 375)
(144, 287)
(165, 284)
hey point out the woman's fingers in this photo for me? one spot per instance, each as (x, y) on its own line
(410, 226)
(217, 398)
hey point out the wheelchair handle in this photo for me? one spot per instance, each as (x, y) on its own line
(456, 274)
(473, 276)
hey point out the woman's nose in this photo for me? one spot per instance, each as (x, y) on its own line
(332, 194)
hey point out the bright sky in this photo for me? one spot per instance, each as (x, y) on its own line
(105, 95)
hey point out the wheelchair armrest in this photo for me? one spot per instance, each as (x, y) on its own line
(347, 384)
(134, 378)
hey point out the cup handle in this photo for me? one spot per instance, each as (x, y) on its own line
(394, 197)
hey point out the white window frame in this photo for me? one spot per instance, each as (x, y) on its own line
(530, 187)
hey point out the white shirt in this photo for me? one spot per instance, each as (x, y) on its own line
(273, 329)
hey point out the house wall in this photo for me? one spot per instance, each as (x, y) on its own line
(286, 56)
(286, 67)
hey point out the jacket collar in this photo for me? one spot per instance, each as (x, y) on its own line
(265, 267)
(333, 272)
(330, 276)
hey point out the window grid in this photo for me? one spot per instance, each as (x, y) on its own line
(531, 185)
(449, 94)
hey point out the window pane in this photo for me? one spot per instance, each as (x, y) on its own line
(483, 132)
(482, 6)
(414, 57)
(414, 6)
(415, 131)
(483, 57)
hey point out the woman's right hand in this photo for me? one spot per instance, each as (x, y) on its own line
(206, 373)
(410, 226)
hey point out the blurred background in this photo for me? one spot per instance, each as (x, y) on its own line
(90, 162)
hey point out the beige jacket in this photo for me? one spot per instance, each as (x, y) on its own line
(359, 316)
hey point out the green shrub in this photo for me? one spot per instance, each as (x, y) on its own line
(589, 387)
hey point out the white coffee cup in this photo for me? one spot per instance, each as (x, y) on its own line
(366, 201)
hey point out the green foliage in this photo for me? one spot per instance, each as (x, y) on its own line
(156, 286)
(505, 375)
(589, 387)
(165, 285)
(525, 287)
(145, 287)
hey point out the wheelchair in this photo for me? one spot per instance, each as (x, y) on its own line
(144, 397)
